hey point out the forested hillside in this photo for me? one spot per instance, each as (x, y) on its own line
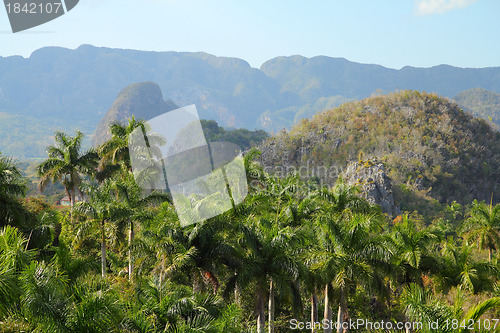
(57, 87)
(427, 142)
(293, 256)
(481, 102)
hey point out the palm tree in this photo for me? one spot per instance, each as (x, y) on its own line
(44, 297)
(14, 253)
(253, 169)
(303, 213)
(313, 282)
(296, 204)
(423, 307)
(342, 200)
(50, 304)
(157, 247)
(483, 226)
(136, 203)
(273, 234)
(114, 153)
(352, 255)
(12, 187)
(461, 269)
(102, 208)
(195, 254)
(173, 308)
(70, 264)
(67, 164)
(411, 250)
(269, 263)
(212, 251)
(94, 307)
(13, 258)
(9, 290)
(338, 206)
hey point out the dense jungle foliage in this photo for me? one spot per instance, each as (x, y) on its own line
(292, 252)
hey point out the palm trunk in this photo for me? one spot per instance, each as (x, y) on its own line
(197, 283)
(210, 279)
(237, 298)
(271, 307)
(161, 282)
(68, 193)
(407, 329)
(131, 236)
(328, 313)
(314, 310)
(340, 315)
(490, 254)
(261, 320)
(103, 250)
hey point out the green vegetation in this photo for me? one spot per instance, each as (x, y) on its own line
(11, 188)
(73, 89)
(274, 121)
(245, 139)
(290, 250)
(434, 152)
(482, 103)
(66, 163)
(27, 137)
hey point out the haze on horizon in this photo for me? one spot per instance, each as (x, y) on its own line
(419, 33)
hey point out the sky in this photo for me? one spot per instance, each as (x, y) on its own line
(392, 33)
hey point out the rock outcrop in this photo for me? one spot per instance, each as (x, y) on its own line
(143, 100)
(374, 183)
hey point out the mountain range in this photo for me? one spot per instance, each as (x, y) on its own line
(62, 89)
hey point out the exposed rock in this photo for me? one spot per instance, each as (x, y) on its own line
(432, 150)
(143, 100)
(374, 183)
(294, 155)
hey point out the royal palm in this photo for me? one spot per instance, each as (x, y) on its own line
(67, 164)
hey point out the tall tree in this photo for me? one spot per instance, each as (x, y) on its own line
(67, 164)
(483, 226)
(269, 263)
(462, 269)
(338, 206)
(411, 250)
(283, 208)
(102, 208)
(423, 307)
(114, 153)
(271, 235)
(137, 204)
(12, 187)
(353, 256)
(115, 157)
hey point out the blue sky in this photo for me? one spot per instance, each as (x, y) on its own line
(393, 33)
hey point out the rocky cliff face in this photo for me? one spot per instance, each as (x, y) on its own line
(374, 183)
(371, 176)
(285, 154)
(143, 100)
